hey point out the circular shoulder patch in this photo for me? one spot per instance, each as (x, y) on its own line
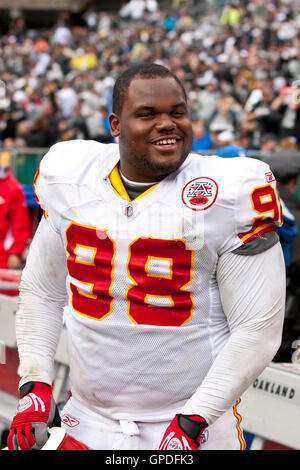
(200, 193)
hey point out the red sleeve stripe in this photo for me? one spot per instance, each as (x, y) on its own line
(255, 232)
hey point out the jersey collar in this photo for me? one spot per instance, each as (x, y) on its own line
(119, 188)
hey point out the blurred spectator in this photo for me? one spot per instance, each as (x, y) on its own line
(14, 220)
(266, 118)
(104, 111)
(133, 9)
(7, 125)
(288, 107)
(289, 143)
(47, 112)
(269, 143)
(62, 33)
(241, 90)
(227, 113)
(66, 99)
(90, 17)
(77, 123)
(207, 100)
(230, 15)
(227, 146)
(98, 125)
(38, 136)
(23, 130)
(245, 136)
(202, 137)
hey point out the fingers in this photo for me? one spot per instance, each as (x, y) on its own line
(20, 439)
(11, 441)
(29, 436)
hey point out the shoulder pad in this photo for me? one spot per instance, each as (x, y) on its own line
(66, 158)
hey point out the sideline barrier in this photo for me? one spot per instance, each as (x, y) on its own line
(270, 408)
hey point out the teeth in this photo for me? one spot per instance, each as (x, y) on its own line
(166, 142)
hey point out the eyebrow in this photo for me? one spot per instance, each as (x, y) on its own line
(150, 108)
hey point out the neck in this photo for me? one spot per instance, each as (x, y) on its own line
(135, 188)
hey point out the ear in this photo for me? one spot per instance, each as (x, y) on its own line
(114, 123)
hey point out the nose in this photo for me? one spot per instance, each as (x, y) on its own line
(165, 122)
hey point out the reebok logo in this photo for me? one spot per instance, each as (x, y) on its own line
(70, 421)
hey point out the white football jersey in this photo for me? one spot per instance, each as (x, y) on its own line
(145, 320)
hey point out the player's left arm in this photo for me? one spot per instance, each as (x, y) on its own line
(252, 284)
(252, 290)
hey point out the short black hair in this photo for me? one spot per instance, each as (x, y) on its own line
(144, 70)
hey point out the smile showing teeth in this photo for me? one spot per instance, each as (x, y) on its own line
(166, 142)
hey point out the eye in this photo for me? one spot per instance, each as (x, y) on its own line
(178, 113)
(146, 115)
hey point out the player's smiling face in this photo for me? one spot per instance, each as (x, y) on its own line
(154, 129)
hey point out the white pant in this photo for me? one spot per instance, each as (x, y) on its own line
(101, 433)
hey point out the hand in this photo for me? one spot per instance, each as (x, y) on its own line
(36, 411)
(184, 433)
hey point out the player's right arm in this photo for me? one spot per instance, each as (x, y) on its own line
(38, 326)
(42, 300)
(43, 293)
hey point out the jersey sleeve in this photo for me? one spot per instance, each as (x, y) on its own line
(43, 190)
(258, 212)
(59, 173)
(258, 207)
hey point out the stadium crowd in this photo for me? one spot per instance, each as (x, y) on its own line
(239, 64)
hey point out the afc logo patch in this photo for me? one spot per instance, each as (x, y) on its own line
(200, 193)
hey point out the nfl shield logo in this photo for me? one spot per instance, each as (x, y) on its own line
(128, 210)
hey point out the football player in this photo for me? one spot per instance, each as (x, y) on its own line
(174, 278)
